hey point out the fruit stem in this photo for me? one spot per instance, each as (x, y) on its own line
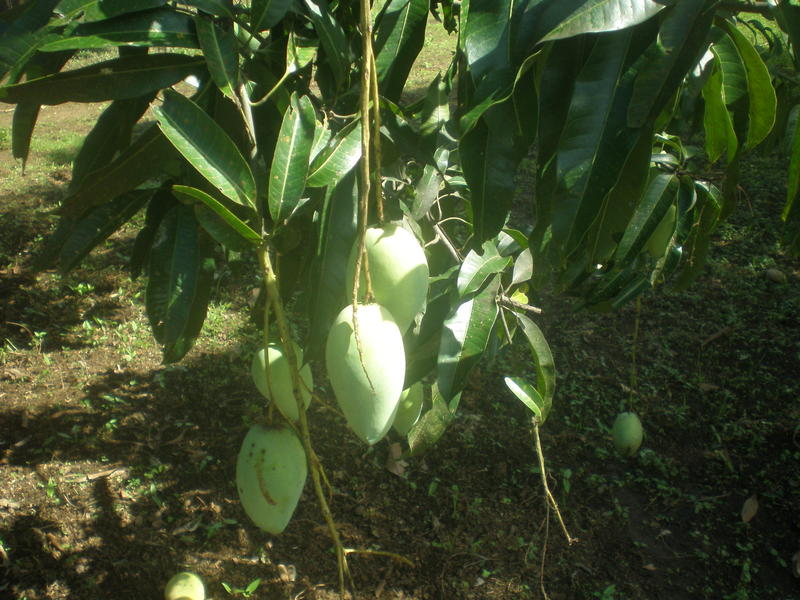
(273, 298)
(548, 494)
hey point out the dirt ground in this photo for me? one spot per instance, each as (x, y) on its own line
(117, 472)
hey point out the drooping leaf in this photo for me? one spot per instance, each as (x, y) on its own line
(98, 10)
(287, 175)
(207, 147)
(183, 192)
(179, 283)
(97, 225)
(144, 159)
(761, 97)
(341, 155)
(595, 16)
(267, 13)
(152, 28)
(720, 135)
(430, 183)
(159, 205)
(432, 424)
(465, 337)
(219, 49)
(477, 268)
(791, 210)
(110, 134)
(659, 194)
(23, 122)
(220, 8)
(542, 359)
(399, 35)
(125, 77)
(708, 210)
(332, 39)
(23, 36)
(528, 395)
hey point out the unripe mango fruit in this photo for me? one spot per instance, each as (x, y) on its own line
(627, 433)
(270, 474)
(281, 379)
(409, 409)
(398, 272)
(659, 241)
(185, 586)
(367, 384)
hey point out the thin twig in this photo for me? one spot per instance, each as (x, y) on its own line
(548, 494)
(509, 302)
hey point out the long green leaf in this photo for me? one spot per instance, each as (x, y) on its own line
(179, 282)
(762, 101)
(595, 16)
(720, 135)
(110, 134)
(159, 27)
(542, 359)
(399, 35)
(267, 13)
(464, 339)
(432, 424)
(234, 222)
(126, 77)
(22, 38)
(791, 210)
(219, 49)
(22, 124)
(528, 395)
(477, 268)
(98, 225)
(98, 10)
(332, 163)
(287, 176)
(706, 217)
(220, 8)
(332, 39)
(144, 159)
(207, 147)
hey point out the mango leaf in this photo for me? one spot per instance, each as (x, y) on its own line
(595, 16)
(436, 106)
(300, 51)
(110, 134)
(331, 37)
(399, 35)
(287, 176)
(682, 34)
(528, 395)
(708, 210)
(98, 10)
(159, 27)
(267, 13)
(791, 210)
(477, 268)
(179, 284)
(22, 38)
(159, 205)
(523, 267)
(144, 159)
(427, 190)
(542, 359)
(658, 196)
(22, 124)
(432, 424)
(98, 224)
(762, 101)
(717, 123)
(125, 77)
(220, 8)
(332, 163)
(193, 195)
(337, 232)
(465, 337)
(206, 146)
(219, 49)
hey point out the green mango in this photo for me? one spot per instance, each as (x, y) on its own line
(409, 409)
(271, 472)
(367, 385)
(398, 271)
(627, 433)
(281, 379)
(185, 586)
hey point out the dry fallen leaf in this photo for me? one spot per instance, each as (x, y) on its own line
(650, 567)
(394, 463)
(287, 573)
(708, 387)
(749, 509)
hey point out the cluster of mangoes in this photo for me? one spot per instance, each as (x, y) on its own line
(366, 366)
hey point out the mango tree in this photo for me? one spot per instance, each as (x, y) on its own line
(381, 214)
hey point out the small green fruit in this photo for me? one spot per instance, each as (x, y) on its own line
(398, 272)
(659, 242)
(281, 379)
(409, 409)
(627, 433)
(368, 384)
(270, 474)
(185, 586)
(776, 275)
